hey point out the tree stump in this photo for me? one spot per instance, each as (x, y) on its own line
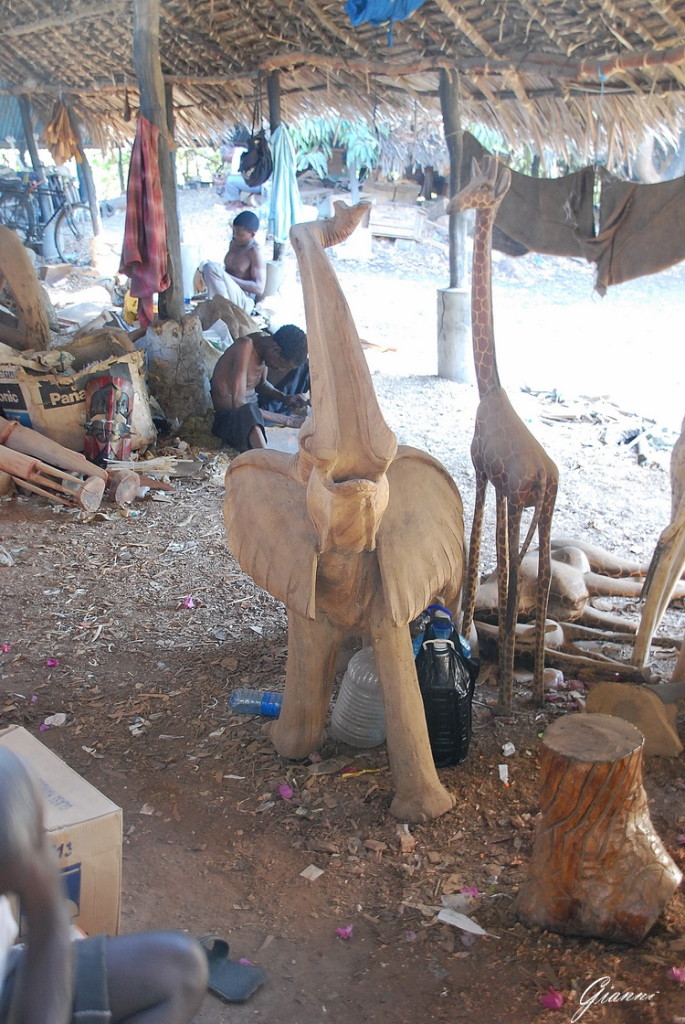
(597, 868)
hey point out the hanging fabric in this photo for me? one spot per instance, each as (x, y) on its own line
(285, 208)
(144, 253)
(380, 12)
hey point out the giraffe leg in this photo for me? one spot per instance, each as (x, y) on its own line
(542, 587)
(474, 554)
(508, 622)
(501, 537)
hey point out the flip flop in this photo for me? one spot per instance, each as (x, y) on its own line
(229, 979)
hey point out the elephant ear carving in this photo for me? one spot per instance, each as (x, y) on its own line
(420, 540)
(268, 528)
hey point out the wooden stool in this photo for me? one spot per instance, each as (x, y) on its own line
(597, 867)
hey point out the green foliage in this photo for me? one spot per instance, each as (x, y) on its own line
(315, 138)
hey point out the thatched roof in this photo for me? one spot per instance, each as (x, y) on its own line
(545, 72)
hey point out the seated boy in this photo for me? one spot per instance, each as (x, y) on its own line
(240, 374)
(143, 978)
(242, 278)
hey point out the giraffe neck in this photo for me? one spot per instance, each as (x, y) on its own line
(482, 330)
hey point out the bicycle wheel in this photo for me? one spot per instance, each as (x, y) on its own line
(16, 213)
(74, 234)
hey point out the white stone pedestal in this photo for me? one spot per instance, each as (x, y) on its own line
(455, 353)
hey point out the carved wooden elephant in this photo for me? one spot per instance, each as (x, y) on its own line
(352, 533)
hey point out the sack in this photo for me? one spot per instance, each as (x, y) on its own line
(447, 679)
(256, 163)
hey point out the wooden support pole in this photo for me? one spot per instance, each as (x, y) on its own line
(27, 124)
(79, 132)
(120, 170)
(597, 868)
(153, 106)
(451, 120)
(454, 349)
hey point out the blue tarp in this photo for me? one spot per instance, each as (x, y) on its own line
(285, 208)
(378, 12)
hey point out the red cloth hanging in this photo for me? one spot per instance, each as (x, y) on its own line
(144, 253)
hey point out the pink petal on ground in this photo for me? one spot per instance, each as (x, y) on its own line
(244, 960)
(285, 791)
(345, 933)
(552, 999)
(51, 662)
(677, 974)
(4, 648)
(188, 602)
(470, 890)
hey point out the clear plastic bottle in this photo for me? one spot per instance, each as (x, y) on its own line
(256, 702)
(358, 716)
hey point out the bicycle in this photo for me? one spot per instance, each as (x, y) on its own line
(21, 211)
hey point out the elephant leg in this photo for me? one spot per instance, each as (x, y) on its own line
(419, 794)
(313, 646)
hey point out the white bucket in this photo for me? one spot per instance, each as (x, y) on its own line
(190, 260)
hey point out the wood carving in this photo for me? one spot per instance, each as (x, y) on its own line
(580, 572)
(122, 486)
(353, 534)
(503, 451)
(18, 276)
(668, 560)
(597, 867)
(65, 488)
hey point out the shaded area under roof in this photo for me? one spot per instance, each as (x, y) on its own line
(577, 75)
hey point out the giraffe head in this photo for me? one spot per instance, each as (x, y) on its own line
(486, 188)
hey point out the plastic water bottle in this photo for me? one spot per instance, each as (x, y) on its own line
(256, 702)
(358, 716)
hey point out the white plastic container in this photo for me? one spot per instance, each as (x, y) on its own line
(190, 260)
(359, 715)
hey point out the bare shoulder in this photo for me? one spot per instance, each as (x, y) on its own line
(257, 256)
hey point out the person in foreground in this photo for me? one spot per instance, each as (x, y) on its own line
(240, 377)
(144, 978)
(242, 278)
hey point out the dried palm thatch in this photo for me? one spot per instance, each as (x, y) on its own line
(581, 76)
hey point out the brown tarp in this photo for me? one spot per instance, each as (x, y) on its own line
(641, 227)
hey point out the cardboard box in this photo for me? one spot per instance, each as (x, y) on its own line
(86, 830)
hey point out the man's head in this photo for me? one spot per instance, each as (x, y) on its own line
(292, 343)
(245, 227)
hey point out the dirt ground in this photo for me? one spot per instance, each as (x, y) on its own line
(144, 676)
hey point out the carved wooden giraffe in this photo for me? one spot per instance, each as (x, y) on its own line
(503, 451)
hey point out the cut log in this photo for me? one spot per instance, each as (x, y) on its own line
(597, 868)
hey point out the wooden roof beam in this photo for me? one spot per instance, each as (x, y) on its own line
(666, 11)
(541, 64)
(335, 30)
(547, 25)
(466, 28)
(90, 13)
